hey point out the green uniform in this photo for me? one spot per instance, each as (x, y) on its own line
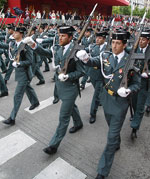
(96, 78)
(23, 76)
(10, 67)
(67, 92)
(86, 42)
(139, 99)
(115, 107)
(43, 58)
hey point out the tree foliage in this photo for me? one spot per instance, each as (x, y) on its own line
(126, 10)
(2, 3)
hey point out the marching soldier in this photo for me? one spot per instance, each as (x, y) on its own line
(86, 41)
(95, 74)
(3, 87)
(36, 63)
(43, 58)
(114, 99)
(67, 85)
(23, 75)
(139, 99)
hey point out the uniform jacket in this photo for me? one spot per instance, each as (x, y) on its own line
(69, 88)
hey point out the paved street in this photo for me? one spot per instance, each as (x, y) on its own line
(21, 155)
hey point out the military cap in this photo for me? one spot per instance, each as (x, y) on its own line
(20, 29)
(89, 29)
(66, 29)
(34, 28)
(119, 36)
(101, 34)
(42, 26)
(145, 34)
(10, 26)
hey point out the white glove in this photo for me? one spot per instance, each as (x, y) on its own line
(15, 64)
(144, 75)
(82, 55)
(63, 77)
(45, 37)
(11, 37)
(123, 92)
(28, 40)
(39, 40)
(55, 67)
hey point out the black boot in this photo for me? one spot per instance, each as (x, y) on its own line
(56, 100)
(148, 109)
(9, 121)
(92, 119)
(34, 106)
(3, 94)
(49, 150)
(133, 134)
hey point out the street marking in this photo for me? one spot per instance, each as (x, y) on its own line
(14, 144)
(2, 118)
(46, 103)
(60, 169)
(43, 104)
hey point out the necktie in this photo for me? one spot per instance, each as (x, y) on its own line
(62, 48)
(116, 61)
(141, 50)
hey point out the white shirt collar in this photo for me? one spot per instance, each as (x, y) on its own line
(120, 55)
(18, 43)
(66, 48)
(101, 46)
(144, 49)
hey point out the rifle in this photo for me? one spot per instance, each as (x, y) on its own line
(4, 23)
(130, 62)
(1, 11)
(1, 22)
(19, 21)
(15, 22)
(76, 46)
(22, 45)
(108, 47)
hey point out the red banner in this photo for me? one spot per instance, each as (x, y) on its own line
(11, 20)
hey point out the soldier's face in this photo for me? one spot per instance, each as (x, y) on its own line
(10, 31)
(87, 34)
(117, 46)
(100, 40)
(64, 39)
(143, 42)
(17, 35)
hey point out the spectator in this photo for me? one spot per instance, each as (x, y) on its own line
(33, 14)
(50, 15)
(53, 15)
(44, 15)
(38, 15)
(8, 14)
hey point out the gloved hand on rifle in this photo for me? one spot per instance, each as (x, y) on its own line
(123, 92)
(83, 56)
(63, 77)
(39, 40)
(144, 75)
(29, 41)
(15, 64)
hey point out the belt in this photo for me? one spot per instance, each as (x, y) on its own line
(110, 92)
(95, 68)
